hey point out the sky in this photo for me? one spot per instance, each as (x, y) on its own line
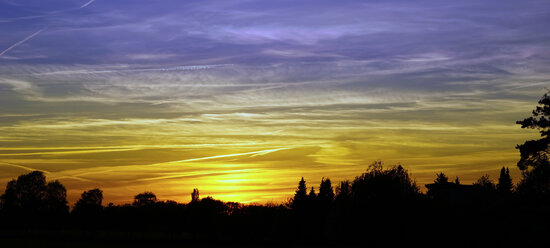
(241, 99)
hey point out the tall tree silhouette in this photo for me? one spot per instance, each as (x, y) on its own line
(312, 201)
(326, 192)
(300, 196)
(534, 154)
(343, 191)
(504, 181)
(195, 195)
(312, 196)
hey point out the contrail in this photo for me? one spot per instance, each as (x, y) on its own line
(47, 14)
(252, 154)
(37, 32)
(23, 167)
(86, 4)
(45, 172)
(167, 69)
(21, 42)
(191, 175)
(529, 85)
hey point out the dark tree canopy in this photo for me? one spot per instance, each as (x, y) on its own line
(535, 183)
(10, 199)
(384, 185)
(56, 197)
(89, 202)
(31, 189)
(145, 198)
(535, 152)
(30, 193)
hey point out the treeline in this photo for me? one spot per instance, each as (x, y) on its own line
(382, 206)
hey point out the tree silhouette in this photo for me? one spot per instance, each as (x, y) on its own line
(504, 182)
(326, 192)
(29, 193)
(89, 202)
(55, 201)
(195, 195)
(485, 183)
(535, 183)
(457, 181)
(534, 154)
(441, 178)
(31, 190)
(212, 207)
(10, 199)
(343, 191)
(312, 195)
(144, 199)
(300, 196)
(384, 185)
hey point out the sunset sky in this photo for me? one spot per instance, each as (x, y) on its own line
(242, 98)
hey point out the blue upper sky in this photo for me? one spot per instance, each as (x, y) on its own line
(262, 32)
